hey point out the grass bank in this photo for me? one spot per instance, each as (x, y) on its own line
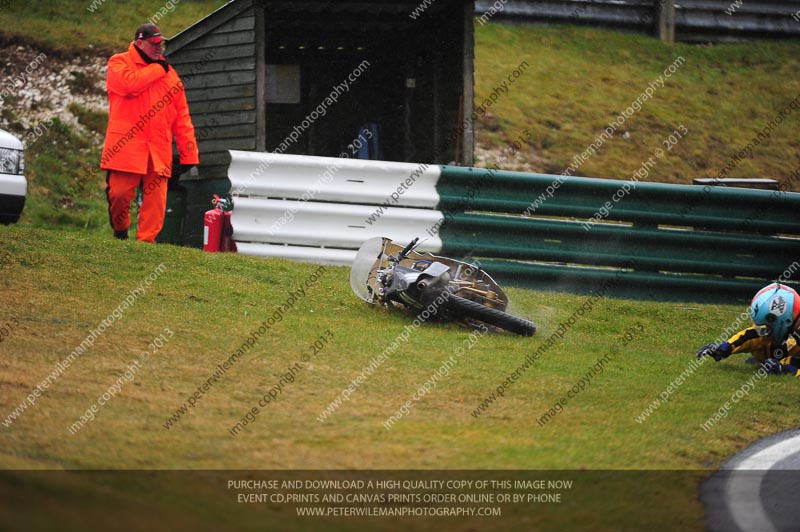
(574, 82)
(577, 81)
(58, 286)
(77, 27)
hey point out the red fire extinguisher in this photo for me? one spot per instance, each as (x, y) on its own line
(217, 228)
(228, 244)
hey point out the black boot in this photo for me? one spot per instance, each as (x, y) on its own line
(122, 235)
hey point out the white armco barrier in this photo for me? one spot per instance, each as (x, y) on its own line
(320, 209)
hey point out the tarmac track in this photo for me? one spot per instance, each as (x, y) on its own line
(758, 490)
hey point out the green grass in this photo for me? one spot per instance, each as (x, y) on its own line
(58, 285)
(576, 82)
(62, 281)
(70, 28)
(580, 79)
(65, 184)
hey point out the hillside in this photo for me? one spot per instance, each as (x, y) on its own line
(168, 358)
(59, 286)
(575, 82)
(88, 28)
(581, 80)
(224, 366)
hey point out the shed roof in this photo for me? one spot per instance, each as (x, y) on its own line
(342, 15)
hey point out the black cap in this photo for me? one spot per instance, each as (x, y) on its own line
(147, 31)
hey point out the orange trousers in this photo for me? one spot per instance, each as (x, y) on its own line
(121, 189)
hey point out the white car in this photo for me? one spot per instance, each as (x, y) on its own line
(13, 186)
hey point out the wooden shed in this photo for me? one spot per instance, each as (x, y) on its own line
(309, 77)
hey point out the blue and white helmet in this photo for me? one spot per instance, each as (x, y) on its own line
(774, 310)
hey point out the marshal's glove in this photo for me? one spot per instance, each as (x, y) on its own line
(180, 169)
(717, 352)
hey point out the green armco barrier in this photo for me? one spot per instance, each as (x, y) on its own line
(690, 243)
(623, 282)
(723, 208)
(614, 245)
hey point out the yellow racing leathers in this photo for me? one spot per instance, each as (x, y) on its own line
(763, 349)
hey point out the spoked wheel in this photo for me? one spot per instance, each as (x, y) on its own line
(458, 306)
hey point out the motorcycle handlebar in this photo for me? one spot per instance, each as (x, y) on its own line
(407, 249)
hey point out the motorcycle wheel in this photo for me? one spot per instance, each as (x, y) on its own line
(458, 306)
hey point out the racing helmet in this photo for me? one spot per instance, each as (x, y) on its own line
(774, 310)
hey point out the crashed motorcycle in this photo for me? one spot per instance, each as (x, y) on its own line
(387, 274)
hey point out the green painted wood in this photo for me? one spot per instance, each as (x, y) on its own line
(198, 201)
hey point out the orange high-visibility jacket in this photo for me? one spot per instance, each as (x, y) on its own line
(147, 106)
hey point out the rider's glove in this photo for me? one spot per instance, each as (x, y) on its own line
(717, 352)
(774, 367)
(790, 343)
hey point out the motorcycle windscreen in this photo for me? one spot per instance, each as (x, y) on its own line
(362, 273)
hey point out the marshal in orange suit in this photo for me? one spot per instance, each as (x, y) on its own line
(147, 109)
